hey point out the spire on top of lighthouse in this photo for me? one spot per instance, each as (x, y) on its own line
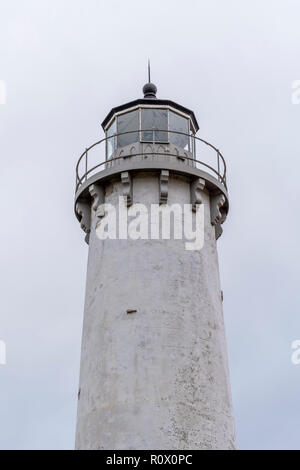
(149, 89)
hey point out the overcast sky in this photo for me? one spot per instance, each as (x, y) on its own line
(65, 64)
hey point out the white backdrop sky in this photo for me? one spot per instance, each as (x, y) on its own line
(65, 64)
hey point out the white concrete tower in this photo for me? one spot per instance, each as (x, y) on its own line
(154, 371)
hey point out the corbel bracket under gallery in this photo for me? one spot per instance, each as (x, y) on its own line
(197, 187)
(83, 209)
(127, 187)
(217, 213)
(163, 186)
(97, 193)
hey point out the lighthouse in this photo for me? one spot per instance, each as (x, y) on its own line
(153, 372)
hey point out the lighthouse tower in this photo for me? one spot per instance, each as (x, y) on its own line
(154, 371)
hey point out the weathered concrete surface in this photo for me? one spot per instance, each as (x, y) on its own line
(157, 378)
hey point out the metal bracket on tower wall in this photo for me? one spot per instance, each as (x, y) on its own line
(127, 187)
(163, 186)
(196, 187)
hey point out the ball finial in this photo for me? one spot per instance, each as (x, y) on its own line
(149, 90)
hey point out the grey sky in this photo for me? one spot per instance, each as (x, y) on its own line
(65, 64)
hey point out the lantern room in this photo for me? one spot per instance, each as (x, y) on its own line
(150, 120)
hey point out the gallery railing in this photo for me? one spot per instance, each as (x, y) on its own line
(90, 160)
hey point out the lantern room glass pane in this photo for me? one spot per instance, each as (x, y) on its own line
(153, 122)
(110, 143)
(126, 123)
(179, 124)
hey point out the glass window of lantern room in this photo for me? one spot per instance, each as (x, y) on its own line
(110, 142)
(128, 122)
(179, 124)
(153, 121)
